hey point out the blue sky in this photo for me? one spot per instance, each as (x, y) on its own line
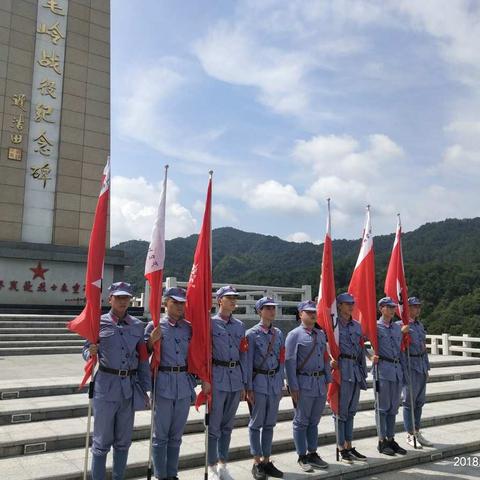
(291, 102)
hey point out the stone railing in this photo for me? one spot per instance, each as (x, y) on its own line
(287, 297)
(447, 344)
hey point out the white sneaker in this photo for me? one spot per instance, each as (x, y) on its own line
(423, 441)
(212, 473)
(223, 472)
(411, 442)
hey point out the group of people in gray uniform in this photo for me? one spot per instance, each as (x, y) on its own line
(250, 365)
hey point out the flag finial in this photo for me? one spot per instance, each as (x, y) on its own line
(166, 166)
(210, 173)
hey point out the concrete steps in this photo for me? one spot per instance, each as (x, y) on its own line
(68, 463)
(70, 432)
(37, 335)
(58, 425)
(38, 350)
(45, 402)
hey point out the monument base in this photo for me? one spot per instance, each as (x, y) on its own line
(40, 274)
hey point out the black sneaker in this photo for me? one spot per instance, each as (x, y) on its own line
(258, 471)
(384, 447)
(315, 461)
(271, 470)
(357, 455)
(396, 447)
(304, 464)
(346, 456)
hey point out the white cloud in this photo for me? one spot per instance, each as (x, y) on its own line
(221, 214)
(134, 205)
(230, 54)
(147, 113)
(341, 155)
(455, 25)
(272, 195)
(301, 237)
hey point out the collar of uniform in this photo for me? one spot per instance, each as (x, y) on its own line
(224, 319)
(115, 319)
(345, 321)
(265, 329)
(387, 324)
(172, 324)
(308, 329)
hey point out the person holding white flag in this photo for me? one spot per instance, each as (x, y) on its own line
(419, 367)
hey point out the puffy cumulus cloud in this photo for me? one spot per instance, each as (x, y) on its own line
(272, 195)
(301, 237)
(134, 205)
(343, 156)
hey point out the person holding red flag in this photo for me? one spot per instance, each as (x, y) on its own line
(419, 367)
(174, 385)
(229, 380)
(390, 374)
(121, 382)
(353, 372)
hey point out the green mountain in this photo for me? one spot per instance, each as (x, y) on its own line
(442, 265)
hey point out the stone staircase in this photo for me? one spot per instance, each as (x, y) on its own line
(29, 334)
(43, 425)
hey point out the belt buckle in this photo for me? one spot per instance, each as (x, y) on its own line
(123, 373)
(315, 374)
(396, 360)
(232, 364)
(271, 372)
(175, 369)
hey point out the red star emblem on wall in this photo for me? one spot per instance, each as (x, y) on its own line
(39, 272)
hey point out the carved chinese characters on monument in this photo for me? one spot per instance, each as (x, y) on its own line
(18, 101)
(44, 119)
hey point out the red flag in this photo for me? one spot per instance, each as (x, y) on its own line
(87, 324)
(154, 264)
(362, 286)
(199, 302)
(395, 283)
(327, 313)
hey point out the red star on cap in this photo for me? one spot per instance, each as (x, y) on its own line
(39, 272)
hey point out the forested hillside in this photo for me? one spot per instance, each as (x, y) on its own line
(442, 264)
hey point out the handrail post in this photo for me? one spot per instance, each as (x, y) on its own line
(466, 344)
(445, 344)
(171, 282)
(434, 345)
(307, 292)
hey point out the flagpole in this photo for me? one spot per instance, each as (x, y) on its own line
(91, 387)
(412, 412)
(154, 315)
(207, 412)
(376, 382)
(152, 409)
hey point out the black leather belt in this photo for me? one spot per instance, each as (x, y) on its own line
(418, 354)
(312, 374)
(221, 363)
(271, 373)
(120, 373)
(391, 360)
(350, 357)
(175, 369)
